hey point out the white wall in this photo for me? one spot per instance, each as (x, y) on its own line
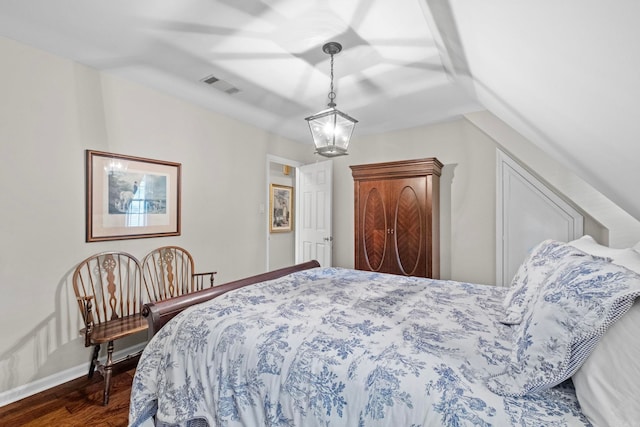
(52, 110)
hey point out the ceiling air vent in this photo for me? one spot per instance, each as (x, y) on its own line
(210, 80)
(221, 85)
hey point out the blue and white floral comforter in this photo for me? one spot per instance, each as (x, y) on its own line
(339, 347)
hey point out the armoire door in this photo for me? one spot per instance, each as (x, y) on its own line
(393, 221)
(374, 235)
(408, 226)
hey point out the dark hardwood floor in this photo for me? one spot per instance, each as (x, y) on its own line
(76, 403)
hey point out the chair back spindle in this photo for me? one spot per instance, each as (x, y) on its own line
(113, 281)
(169, 271)
(108, 288)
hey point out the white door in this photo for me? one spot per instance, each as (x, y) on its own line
(314, 196)
(527, 213)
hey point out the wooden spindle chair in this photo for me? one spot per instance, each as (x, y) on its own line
(108, 288)
(169, 271)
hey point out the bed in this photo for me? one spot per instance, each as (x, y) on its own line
(311, 346)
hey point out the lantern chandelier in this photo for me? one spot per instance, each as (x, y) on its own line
(331, 129)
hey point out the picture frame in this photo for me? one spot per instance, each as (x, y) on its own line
(131, 197)
(280, 208)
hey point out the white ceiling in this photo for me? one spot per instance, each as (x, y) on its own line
(565, 74)
(390, 74)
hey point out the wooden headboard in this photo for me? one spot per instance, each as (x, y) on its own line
(159, 313)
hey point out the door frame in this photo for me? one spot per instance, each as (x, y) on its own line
(265, 207)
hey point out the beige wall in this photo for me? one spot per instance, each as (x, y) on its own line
(467, 193)
(51, 111)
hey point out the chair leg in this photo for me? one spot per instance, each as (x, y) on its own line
(108, 368)
(94, 360)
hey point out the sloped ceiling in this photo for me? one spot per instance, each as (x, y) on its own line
(565, 74)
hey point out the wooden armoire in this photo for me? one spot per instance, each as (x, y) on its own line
(397, 217)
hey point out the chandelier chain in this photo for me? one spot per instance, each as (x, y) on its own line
(332, 94)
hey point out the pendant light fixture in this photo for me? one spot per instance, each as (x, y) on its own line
(331, 129)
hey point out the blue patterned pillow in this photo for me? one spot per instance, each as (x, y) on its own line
(542, 260)
(577, 302)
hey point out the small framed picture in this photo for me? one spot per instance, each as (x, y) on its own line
(131, 197)
(280, 208)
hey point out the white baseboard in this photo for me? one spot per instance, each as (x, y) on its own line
(26, 390)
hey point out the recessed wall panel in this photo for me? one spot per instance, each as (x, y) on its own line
(320, 210)
(306, 209)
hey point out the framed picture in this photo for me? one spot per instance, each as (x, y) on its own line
(131, 197)
(280, 208)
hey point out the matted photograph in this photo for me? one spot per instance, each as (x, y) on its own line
(280, 208)
(131, 197)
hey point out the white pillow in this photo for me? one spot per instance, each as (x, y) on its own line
(609, 380)
(608, 383)
(588, 244)
(628, 257)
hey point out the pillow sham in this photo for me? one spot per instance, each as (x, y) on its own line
(608, 383)
(576, 304)
(543, 259)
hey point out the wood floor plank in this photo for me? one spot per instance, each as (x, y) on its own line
(76, 403)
